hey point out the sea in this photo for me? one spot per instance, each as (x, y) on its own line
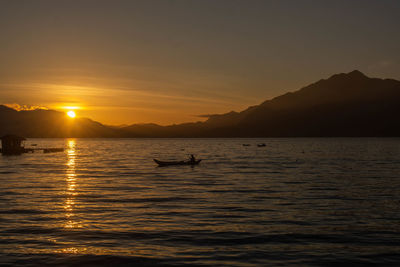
(294, 201)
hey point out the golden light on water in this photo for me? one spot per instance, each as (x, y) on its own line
(72, 250)
(71, 176)
(71, 180)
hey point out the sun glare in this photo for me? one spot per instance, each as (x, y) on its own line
(71, 114)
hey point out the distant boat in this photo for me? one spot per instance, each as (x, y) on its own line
(261, 145)
(246, 144)
(171, 163)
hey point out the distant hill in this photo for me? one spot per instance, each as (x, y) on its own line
(49, 123)
(347, 104)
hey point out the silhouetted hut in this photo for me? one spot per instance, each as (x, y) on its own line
(12, 144)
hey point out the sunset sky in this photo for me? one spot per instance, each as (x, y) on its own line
(124, 62)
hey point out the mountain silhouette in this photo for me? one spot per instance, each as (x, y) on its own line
(49, 123)
(346, 104)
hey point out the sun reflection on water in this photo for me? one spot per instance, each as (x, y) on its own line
(71, 179)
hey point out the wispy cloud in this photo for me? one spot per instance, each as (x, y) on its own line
(19, 107)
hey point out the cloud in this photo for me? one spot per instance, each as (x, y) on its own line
(19, 107)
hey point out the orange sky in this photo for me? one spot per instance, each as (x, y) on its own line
(124, 62)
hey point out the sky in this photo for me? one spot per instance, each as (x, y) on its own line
(126, 61)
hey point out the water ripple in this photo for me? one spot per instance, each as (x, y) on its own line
(311, 202)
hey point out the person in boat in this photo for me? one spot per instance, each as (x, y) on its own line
(192, 158)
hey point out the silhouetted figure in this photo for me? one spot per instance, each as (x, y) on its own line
(192, 158)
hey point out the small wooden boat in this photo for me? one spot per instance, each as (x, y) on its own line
(261, 145)
(172, 163)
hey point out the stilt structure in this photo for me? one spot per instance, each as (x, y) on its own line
(12, 144)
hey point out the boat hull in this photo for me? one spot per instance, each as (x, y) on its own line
(175, 163)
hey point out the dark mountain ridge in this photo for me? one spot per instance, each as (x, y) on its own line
(49, 123)
(346, 104)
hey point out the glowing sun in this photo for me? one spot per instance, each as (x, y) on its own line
(71, 114)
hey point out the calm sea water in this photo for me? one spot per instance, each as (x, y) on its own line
(104, 202)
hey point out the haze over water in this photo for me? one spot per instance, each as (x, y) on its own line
(295, 201)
